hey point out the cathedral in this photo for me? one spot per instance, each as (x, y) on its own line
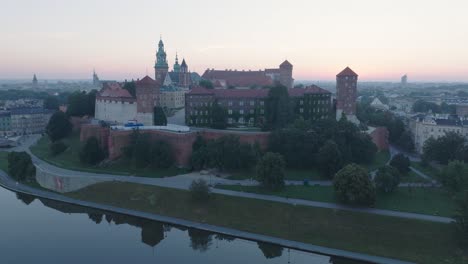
(180, 76)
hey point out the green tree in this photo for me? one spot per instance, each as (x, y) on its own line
(162, 155)
(20, 166)
(219, 116)
(455, 176)
(138, 151)
(130, 87)
(91, 152)
(278, 110)
(270, 171)
(461, 219)
(59, 126)
(445, 148)
(206, 84)
(387, 179)
(159, 117)
(406, 141)
(51, 103)
(329, 159)
(401, 163)
(199, 190)
(81, 103)
(421, 106)
(353, 186)
(57, 147)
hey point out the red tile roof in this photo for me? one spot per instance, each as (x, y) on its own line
(346, 72)
(238, 78)
(255, 93)
(146, 81)
(114, 90)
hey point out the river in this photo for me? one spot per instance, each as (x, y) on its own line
(36, 230)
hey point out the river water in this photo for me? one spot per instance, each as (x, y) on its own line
(34, 230)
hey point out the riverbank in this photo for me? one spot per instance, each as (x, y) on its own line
(412, 240)
(8, 183)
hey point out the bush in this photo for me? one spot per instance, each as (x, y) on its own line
(20, 166)
(57, 147)
(455, 176)
(161, 155)
(353, 186)
(270, 171)
(91, 153)
(199, 190)
(387, 179)
(59, 126)
(401, 163)
(461, 219)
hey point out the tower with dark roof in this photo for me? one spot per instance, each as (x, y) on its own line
(346, 94)
(285, 74)
(160, 67)
(185, 78)
(176, 64)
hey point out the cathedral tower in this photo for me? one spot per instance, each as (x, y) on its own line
(176, 64)
(160, 67)
(185, 79)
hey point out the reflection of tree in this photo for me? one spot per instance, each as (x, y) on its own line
(270, 250)
(25, 198)
(97, 218)
(338, 260)
(152, 233)
(224, 237)
(200, 240)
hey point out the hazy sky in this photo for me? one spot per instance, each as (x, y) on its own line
(379, 39)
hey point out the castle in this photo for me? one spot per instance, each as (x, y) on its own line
(251, 79)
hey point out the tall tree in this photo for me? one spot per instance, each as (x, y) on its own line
(130, 87)
(59, 126)
(329, 159)
(270, 171)
(91, 153)
(81, 103)
(387, 179)
(352, 185)
(278, 110)
(159, 117)
(445, 148)
(401, 163)
(20, 166)
(162, 155)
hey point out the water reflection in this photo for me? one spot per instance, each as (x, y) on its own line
(154, 233)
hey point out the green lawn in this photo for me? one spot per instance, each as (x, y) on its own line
(412, 177)
(3, 161)
(428, 170)
(381, 158)
(69, 159)
(431, 201)
(412, 240)
(290, 174)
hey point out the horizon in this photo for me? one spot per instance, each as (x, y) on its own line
(380, 41)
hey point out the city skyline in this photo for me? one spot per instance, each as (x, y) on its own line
(381, 41)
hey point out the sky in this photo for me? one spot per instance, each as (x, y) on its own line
(379, 39)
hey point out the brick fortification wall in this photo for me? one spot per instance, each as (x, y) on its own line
(181, 143)
(78, 122)
(380, 138)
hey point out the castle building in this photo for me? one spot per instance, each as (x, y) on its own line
(147, 96)
(251, 79)
(346, 95)
(247, 106)
(180, 76)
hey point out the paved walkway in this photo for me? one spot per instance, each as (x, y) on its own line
(8, 183)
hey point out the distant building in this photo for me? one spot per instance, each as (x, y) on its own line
(346, 95)
(462, 110)
(29, 120)
(34, 82)
(5, 123)
(404, 80)
(247, 106)
(377, 104)
(251, 79)
(172, 97)
(424, 127)
(96, 82)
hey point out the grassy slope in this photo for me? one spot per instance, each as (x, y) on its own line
(428, 170)
(432, 201)
(3, 161)
(70, 160)
(418, 241)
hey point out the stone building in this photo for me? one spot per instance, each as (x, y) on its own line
(180, 76)
(26, 121)
(172, 97)
(247, 106)
(346, 95)
(5, 123)
(115, 104)
(251, 79)
(423, 127)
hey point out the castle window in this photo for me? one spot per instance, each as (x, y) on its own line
(230, 111)
(241, 103)
(252, 103)
(241, 112)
